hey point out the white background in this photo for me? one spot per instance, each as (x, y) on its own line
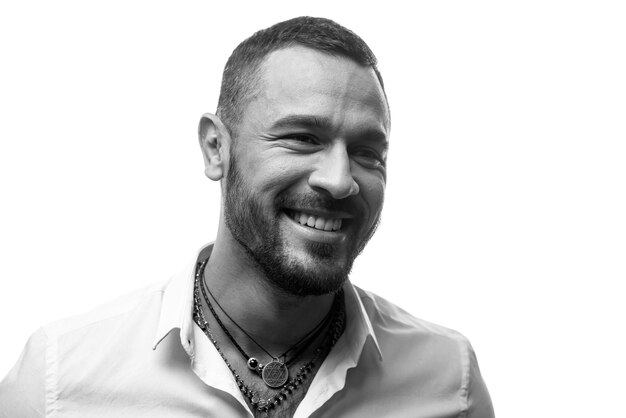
(505, 206)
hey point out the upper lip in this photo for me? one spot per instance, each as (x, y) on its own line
(323, 213)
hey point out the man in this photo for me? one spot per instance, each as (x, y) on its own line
(264, 322)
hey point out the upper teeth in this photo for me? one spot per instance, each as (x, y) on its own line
(317, 222)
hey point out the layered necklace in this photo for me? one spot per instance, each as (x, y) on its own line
(275, 374)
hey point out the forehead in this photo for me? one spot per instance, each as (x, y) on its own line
(300, 80)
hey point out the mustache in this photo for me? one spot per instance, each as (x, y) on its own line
(320, 201)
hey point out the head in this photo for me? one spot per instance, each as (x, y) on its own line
(299, 142)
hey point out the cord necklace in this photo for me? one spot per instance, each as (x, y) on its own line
(276, 372)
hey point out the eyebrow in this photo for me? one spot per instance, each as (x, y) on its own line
(307, 121)
(317, 122)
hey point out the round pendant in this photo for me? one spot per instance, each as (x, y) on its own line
(275, 374)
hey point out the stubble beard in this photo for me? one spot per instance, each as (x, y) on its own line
(259, 233)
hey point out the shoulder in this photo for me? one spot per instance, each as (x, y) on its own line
(64, 349)
(426, 357)
(25, 390)
(404, 338)
(22, 391)
(139, 301)
(98, 325)
(385, 316)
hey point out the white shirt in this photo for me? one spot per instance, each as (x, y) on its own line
(143, 356)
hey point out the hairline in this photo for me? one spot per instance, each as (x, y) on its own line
(254, 76)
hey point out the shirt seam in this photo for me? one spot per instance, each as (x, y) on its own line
(465, 378)
(52, 388)
(51, 357)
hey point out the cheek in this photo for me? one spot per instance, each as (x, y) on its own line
(270, 175)
(373, 192)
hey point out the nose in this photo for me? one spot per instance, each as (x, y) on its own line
(333, 173)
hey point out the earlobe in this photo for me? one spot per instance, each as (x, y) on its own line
(214, 139)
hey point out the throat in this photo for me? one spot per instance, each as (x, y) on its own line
(273, 319)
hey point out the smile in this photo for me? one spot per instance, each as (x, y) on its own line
(316, 221)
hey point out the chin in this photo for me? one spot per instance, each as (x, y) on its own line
(314, 284)
(309, 274)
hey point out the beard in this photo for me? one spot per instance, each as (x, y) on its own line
(258, 231)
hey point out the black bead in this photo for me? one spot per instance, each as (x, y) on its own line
(253, 363)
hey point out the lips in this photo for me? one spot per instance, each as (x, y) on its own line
(322, 213)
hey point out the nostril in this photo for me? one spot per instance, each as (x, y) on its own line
(339, 187)
(355, 189)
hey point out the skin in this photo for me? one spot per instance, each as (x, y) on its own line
(334, 168)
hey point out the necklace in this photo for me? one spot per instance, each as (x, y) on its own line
(309, 336)
(265, 405)
(276, 372)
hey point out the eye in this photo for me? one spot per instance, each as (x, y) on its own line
(368, 157)
(302, 138)
(300, 142)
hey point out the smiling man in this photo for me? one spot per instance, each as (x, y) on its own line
(264, 321)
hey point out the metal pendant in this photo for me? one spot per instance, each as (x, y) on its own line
(275, 374)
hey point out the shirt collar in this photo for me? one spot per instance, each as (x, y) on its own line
(177, 310)
(177, 302)
(359, 321)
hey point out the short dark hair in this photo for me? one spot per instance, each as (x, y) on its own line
(241, 73)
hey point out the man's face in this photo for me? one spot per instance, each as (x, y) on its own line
(306, 179)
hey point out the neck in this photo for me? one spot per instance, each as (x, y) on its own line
(273, 318)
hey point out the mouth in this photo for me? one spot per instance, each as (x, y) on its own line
(326, 222)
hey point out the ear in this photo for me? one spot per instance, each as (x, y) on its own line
(214, 142)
